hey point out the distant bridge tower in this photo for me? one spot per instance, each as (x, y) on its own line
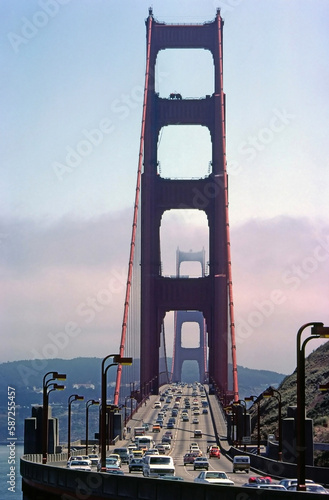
(208, 294)
(180, 353)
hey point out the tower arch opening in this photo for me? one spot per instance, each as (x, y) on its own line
(189, 72)
(184, 151)
(190, 335)
(186, 229)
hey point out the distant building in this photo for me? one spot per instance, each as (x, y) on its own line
(85, 386)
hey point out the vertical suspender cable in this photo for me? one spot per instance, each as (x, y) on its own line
(229, 263)
(136, 206)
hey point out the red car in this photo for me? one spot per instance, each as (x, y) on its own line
(214, 451)
(260, 479)
(189, 458)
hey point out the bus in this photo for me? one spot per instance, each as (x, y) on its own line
(144, 442)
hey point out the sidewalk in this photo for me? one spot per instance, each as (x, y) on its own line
(220, 423)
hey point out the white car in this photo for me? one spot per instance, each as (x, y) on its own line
(93, 458)
(79, 465)
(213, 477)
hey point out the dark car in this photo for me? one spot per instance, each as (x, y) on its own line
(201, 463)
(136, 465)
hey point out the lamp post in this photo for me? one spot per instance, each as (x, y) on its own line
(317, 331)
(125, 406)
(117, 360)
(269, 393)
(45, 386)
(89, 403)
(73, 397)
(257, 400)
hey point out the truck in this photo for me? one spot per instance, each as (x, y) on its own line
(241, 463)
(145, 442)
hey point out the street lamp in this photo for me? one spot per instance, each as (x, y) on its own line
(117, 360)
(257, 400)
(46, 384)
(73, 397)
(271, 392)
(317, 331)
(88, 404)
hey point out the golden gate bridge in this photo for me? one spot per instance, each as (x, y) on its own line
(208, 298)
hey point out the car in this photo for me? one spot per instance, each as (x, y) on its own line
(94, 458)
(77, 457)
(110, 464)
(292, 482)
(172, 478)
(189, 458)
(260, 479)
(166, 445)
(136, 454)
(158, 465)
(185, 418)
(265, 486)
(123, 453)
(157, 404)
(196, 450)
(241, 463)
(136, 465)
(214, 477)
(170, 425)
(156, 428)
(83, 465)
(115, 471)
(311, 488)
(205, 411)
(214, 451)
(161, 449)
(195, 420)
(152, 451)
(200, 463)
(198, 433)
(116, 457)
(169, 434)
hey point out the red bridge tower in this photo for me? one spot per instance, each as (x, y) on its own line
(208, 294)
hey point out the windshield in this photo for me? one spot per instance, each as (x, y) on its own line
(216, 475)
(160, 460)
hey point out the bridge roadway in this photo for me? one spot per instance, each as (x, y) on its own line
(183, 435)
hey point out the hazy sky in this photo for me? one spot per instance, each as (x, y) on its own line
(72, 78)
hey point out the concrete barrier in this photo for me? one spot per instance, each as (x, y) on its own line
(47, 482)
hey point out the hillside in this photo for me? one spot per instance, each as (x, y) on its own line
(317, 403)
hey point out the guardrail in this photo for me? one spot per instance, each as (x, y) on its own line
(47, 482)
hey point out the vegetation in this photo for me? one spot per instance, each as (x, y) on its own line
(317, 402)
